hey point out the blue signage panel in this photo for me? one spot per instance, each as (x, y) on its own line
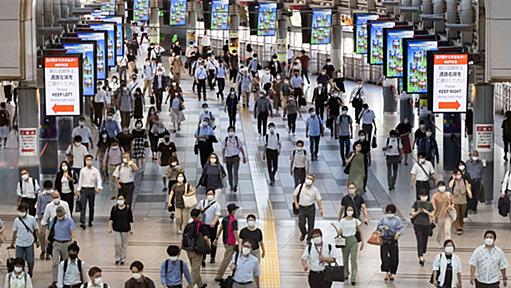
(111, 29)
(267, 19)
(321, 26)
(220, 15)
(393, 51)
(177, 12)
(360, 31)
(141, 10)
(416, 60)
(88, 52)
(101, 57)
(375, 41)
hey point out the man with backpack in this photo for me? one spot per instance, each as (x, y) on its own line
(18, 277)
(299, 165)
(27, 190)
(196, 243)
(173, 269)
(113, 158)
(5, 123)
(357, 100)
(262, 109)
(344, 131)
(232, 147)
(429, 147)
(229, 230)
(271, 153)
(24, 235)
(95, 280)
(393, 157)
(71, 270)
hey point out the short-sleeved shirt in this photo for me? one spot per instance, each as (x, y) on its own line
(356, 202)
(225, 233)
(213, 211)
(124, 173)
(334, 105)
(255, 237)
(232, 146)
(422, 174)
(308, 195)
(368, 117)
(296, 82)
(314, 126)
(344, 122)
(166, 151)
(422, 218)
(349, 227)
(24, 237)
(63, 229)
(488, 264)
(84, 132)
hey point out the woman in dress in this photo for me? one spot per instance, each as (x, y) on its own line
(139, 144)
(102, 146)
(176, 110)
(178, 191)
(356, 168)
(277, 93)
(152, 122)
(404, 129)
(138, 111)
(461, 191)
(441, 201)
(64, 184)
(176, 66)
(172, 171)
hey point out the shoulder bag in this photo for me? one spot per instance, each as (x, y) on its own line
(451, 211)
(296, 210)
(189, 201)
(333, 273)
(431, 181)
(375, 239)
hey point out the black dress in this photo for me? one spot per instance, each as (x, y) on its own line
(138, 113)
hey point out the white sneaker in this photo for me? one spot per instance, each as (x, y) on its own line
(179, 232)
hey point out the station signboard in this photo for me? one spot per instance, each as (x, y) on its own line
(88, 51)
(393, 51)
(449, 82)
(375, 41)
(111, 28)
(177, 13)
(101, 53)
(416, 64)
(62, 85)
(220, 15)
(141, 10)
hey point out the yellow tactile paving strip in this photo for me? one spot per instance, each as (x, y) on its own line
(270, 266)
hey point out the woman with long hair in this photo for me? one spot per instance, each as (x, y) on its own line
(64, 184)
(152, 122)
(178, 191)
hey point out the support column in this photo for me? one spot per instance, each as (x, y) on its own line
(234, 28)
(191, 35)
(452, 141)
(28, 120)
(482, 104)
(281, 43)
(336, 49)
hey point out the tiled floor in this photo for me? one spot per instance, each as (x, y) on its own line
(281, 268)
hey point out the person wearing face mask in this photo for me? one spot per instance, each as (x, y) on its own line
(329, 68)
(63, 232)
(447, 267)
(461, 191)
(84, 132)
(256, 87)
(392, 150)
(475, 170)
(178, 192)
(43, 199)
(200, 76)
(110, 126)
(356, 167)
(262, 109)
(147, 75)
(404, 129)
(173, 269)
(231, 106)
(176, 107)
(419, 133)
(245, 83)
(89, 184)
(112, 159)
(245, 267)
(344, 132)
(102, 145)
(213, 174)
(138, 104)
(314, 131)
(152, 124)
(27, 190)
(304, 64)
(207, 113)
(121, 224)
(357, 100)
(176, 66)
(319, 99)
(65, 184)
(193, 230)
(138, 278)
(234, 65)
(299, 165)
(349, 229)
(333, 107)
(205, 137)
(166, 150)
(24, 235)
(139, 145)
(422, 173)
(421, 215)
(50, 211)
(306, 196)
(221, 74)
(323, 79)
(271, 153)
(368, 119)
(297, 85)
(366, 150)
(316, 256)
(441, 202)
(126, 103)
(390, 228)
(18, 277)
(98, 102)
(211, 67)
(356, 201)
(338, 83)
(124, 175)
(230, 236)
(71, 271)
(291, 111)
(95, 279)
(210, 213)
(254, 235)
(488, 264)
(125, 139)
(231, 150)
(75, 152)
(159, 85)
(428, 146)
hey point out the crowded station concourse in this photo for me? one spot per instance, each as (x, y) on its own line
(254, 144)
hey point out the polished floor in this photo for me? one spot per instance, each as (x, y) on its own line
(153, 230)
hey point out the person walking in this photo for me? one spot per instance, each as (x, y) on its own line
(475, 170)
(138, 104)
(71, 271)
(338, 83)
(461, 191)
(506, 133)
(43, 199)
(297, 85)
(488, 263)
(404, 129)
(84, 132)
(95, 279)
(113, 158)
(205, 137)
(213, 174)
(333, 110)
(245, 267)
(221, 74)
(447, 267)
(234, 65)
(391, 228)
(231, 150)
(254, 235)
(5, 123)
(193, 230)
(166, 149)
(176, 107)
(231, 106)
(306, 195)
(24, 236)
(245, 83)
(63, 230)
(99, 101)
(314, 131)
(441, 201)
(421, 214)
(299, 166)
(148, 72)
(110, 125)
(172, 172)
(50, 211)
(316, 256)
(429, 147)
(65, 182)
(18, 277)
(89, 184)
(211, 66)
(357, 201)
(126, 103)
(179, 191)
(210, 213)
(138, 278)
(357, 100)
(365, 143)
(176, 67)
(173, 269)
(304, 63)
(229, 231)
(357, 169)
(349, 229)
(344, 132)
(125, 178)
(271, 153)
(200, 77)
(262, 109)
(75, 153)
(140, 144)
(319, 99)
(159, 86)
(368, 119)
(120, 224)
(422, 173)
(291, 111)
(392, 150)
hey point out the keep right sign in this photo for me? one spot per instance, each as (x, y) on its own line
(450, 83)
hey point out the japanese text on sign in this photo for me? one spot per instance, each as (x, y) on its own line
(28, 141)
(484, 137)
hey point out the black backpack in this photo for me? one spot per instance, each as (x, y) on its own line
(79, 268)
(4, 118)
(504, 205)
(189, 237)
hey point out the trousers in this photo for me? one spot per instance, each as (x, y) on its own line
(350, 252)
(27, 253)
(158, 93)
(262, 122)
(121, 245)
(272, 161)
(389, 255)
(299, 176)
(443, 229)
(182, 215)
(59, 253)
(291, 122)
(306, 215)
(229, 251)
(195, 263)
(344, 145)
(87, 195)
(477, 194)
(392, 166)
(317, 280)
(314, 145)
(484, 285)
(212, 235)
(98, 112)
(233, 165)
(201, 87)
(422, 234)
(127, 191)
(111, 180)
(460, 211)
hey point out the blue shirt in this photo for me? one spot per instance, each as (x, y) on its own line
(246, 82)
(246, 268)
(171, 274)
(24, 238)
(220, 72)
(393, 226)
(296, 82)
(314, 126)
(111, 127)
(253, 65)
(204, 131)
(63, 229)
(42, 200)
(201, 73)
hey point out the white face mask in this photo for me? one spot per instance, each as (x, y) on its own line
(246, 251)
(461, 167)
(18, 269)
(349, 213)
(173, 164)
(88, 162)
(212, 160)
(173, 258)
(390, 214)
(231, 134)
(475, 158)
(56, 201)
(441, 188)
(429, 134)
(308, 182)
(299, 148)
(313, 114)
(424, 198)
(136, 276)
(422, 126)
(120, 202)
(24, 177)
(458, 177)
(22, 214)
(98, 281)
(317, 240)
(64, 168)
(210, 197)
(422, 161)
(271, 129)
(125, 160)
(362, 137)
(251, 224)
(488, 241)
(449, 250)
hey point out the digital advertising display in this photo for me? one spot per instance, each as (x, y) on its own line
(393, 51)
(416, 64)
(119, 40)
(449, 82)
(111, 29)
(108, 6)
(360, 31)
(177, 12)
(267, 19)
(220, 15)
(141, 10)
(88, 51)
(321, 26)
(101, 57)
(62, 83)
(375, 40)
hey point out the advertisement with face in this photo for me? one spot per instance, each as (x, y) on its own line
(416, 71)
(321, 26)
(267, 19)
(393, 51)
(375, 41)
(360, 31)
(88, 51)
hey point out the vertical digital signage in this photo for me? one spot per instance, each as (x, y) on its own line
(267, 19)
(62, 85)
(360, 21)
(220, 15)
(101, 57)
(375, 40)
(393, 51)
(108, 6)
(177, 12)
(141, 10)
(88, 51)
(321, 26)
(119, 46)
(111, 28)
(448, 88)
(416, 64)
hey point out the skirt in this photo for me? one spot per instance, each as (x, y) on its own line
(139, 148)
(405, 141)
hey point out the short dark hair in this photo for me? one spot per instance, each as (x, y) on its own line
(421, 154)
(47, 184)
(137, 264)
(391, 208)
(195, 213)
(440, 183)
(18, 261)
(492, 233)
(299, 142)
(231, 128)
(210, 190)
(73, 247)
(423, 192)
(449, 241)
(77, 138)
(271, 124)
(23, 206)
(173, 250)
(317, 231)
(251, 216)
(93, 270)
(88, 156)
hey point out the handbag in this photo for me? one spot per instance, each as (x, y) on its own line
(70, 156)
(433, 273)
(334, 273)
(374, 145)
(229, 281)
(196, 149)
(78, 205)
(452, 213)
(375, 239)
(152, 101)
(340, 242)
(347, 168)
(296, 210)
(189, 201)
(431, 181)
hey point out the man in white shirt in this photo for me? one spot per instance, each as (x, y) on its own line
(95, 280)
(316, 256)
(27, 190)
(422, 172)
(305, 197)
(488, 263)
(51, 209)
(206, 43)
(89, 184)
(272, 151)
(148, 75)
(76, 152)
(367, 117)
(71, 272)
(85, 132)
(393, 157)
(124, 178)
(99, 104)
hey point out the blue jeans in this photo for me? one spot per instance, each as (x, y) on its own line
(27, 253)
(344, 145)
(314, 145)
